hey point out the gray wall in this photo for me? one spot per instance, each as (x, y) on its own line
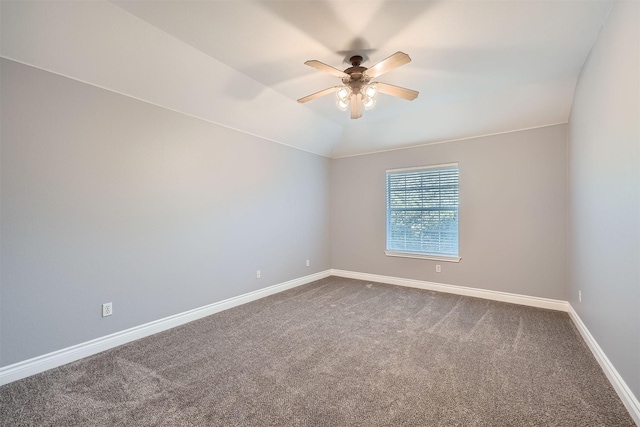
(106, 198)
(604, 182)
(512, 213)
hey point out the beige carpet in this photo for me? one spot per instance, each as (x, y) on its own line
(336, 352)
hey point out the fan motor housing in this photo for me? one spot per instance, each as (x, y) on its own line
(356, 71)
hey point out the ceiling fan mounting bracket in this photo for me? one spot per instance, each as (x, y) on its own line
(356, 60)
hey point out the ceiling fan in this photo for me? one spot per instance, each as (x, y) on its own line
(358, 89)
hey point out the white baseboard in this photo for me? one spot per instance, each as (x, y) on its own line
(61, 357)
(547, 303)
(626, 395)
(48, 361)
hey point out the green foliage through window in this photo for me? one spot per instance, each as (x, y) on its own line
(422, 211)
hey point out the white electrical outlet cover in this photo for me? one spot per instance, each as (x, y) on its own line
(107, 309)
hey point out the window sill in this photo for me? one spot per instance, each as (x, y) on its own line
(422, 256)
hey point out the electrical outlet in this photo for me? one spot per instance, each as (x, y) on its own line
(107, 309)
(307, 263)
(438, 268)
(257, 274)
(579, 296)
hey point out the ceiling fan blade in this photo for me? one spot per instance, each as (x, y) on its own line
(356, 105)
(326, 68)
(388, 64)
(397, 91)
(317, 94)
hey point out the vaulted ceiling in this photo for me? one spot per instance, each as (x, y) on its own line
(481, 67)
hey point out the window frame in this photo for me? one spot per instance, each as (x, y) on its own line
(406, 254)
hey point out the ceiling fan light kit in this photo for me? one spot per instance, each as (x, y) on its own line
(368, 92)
(358, 89)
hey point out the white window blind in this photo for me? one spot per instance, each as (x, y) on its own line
(422, 211)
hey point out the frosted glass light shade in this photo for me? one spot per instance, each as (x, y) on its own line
(368, 103)
(343, 104)
(370, 91)
(343, 93)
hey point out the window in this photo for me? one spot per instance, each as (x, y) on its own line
(422, 212)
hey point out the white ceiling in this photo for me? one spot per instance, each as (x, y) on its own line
(481, 67)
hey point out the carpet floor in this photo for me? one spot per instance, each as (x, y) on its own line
(336, 352)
